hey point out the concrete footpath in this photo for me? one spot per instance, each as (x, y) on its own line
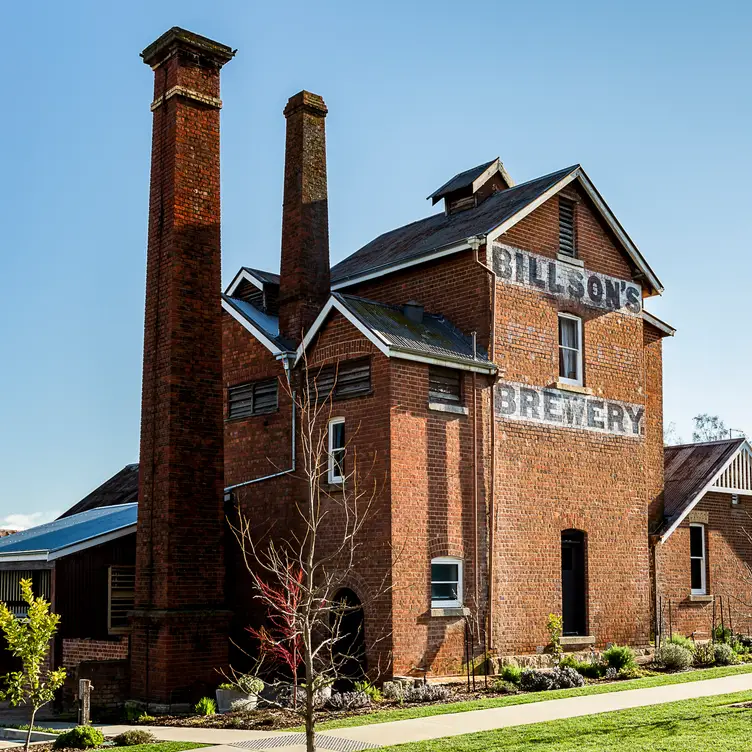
(452, 724)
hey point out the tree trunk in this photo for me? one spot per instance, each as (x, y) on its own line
(31, 727)
(309, 719)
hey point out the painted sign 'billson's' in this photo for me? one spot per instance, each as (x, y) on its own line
(558, 408)
(562, 279)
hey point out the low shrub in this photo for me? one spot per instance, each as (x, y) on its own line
(504, 687)
(511, 674)
(205, 706)
(373, 692)
(426, 693)
(619, 657)
(348, 701)
(535, 680)
(249, 684)
(566, 678)
(392, 691)
(592, 669)
(81, 737)
(704, 654)
(673, 657)
(724, 654)
(745, 641)
(723, 634)
(685, 642)
(134, 736)
(629, 672)
(612, 673)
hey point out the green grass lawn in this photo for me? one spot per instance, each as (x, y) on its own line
(420, 711)
(700, 725)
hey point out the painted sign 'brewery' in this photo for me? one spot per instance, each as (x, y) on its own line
(566, 281)
(555, 407)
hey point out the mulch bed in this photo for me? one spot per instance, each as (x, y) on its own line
(267, 719)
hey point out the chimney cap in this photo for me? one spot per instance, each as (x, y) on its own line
(413, 311)
(306, 100)
(176, 38)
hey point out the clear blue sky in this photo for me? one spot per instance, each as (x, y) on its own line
(652, 98)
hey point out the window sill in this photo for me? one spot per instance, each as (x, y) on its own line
(572, 388)
(570, 260)
(577, 640)
(700, 598)
(454, 611)
(442, 408)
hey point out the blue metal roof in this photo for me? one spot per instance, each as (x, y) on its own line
(69, 531)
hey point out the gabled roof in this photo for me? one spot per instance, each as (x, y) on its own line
(442, 234)
(432, 340)
(268, 278)
(474, 177)
(121, 488)
(69, 534)
(689, 472)
(263, 326)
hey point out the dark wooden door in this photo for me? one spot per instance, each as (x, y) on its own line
(573, 582)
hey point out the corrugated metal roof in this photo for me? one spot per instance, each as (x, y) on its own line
(268, 324)
(121, 488)
(434, 336)
(461, 180)
(688, 468)
(69, 531)
(441, 230)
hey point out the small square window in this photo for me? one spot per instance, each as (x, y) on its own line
(446, 582)
(336, 466)
(570, 349)
(444, 385)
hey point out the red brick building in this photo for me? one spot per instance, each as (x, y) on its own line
(703, 549)
(491, 364)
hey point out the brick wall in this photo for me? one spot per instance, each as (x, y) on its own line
(77, 650)
(728, 577)
(550, 479)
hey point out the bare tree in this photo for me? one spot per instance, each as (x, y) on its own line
(671, 435)
(709, 428)
(296, 576)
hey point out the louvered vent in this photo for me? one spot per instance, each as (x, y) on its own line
(737, 477)
(254, 398)
(10, 588)
(444, 385)
(250, 293)
(566, 228)
(122, 593)
(351, 378)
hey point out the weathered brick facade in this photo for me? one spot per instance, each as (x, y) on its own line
(179, 625)
(729, 579)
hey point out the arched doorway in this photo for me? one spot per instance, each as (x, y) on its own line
(349, 652)
(573, 593)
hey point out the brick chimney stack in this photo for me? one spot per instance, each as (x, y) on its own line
(304, 275)
(180, 622)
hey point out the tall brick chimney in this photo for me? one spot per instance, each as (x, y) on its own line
(304, 284)
(180, 622)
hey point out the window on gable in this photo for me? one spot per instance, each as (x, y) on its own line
(570, 349)
(567, 246)
(254, 398)
(697, 559)
(350, 378)
(122, 586)
(446, 582)
(444, 385)
(336, 447)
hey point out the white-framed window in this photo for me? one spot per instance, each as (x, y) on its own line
(570, 349)
(446, 582)
(336, 470)
(697, 559)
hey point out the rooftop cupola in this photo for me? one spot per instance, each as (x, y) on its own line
(471, 188)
